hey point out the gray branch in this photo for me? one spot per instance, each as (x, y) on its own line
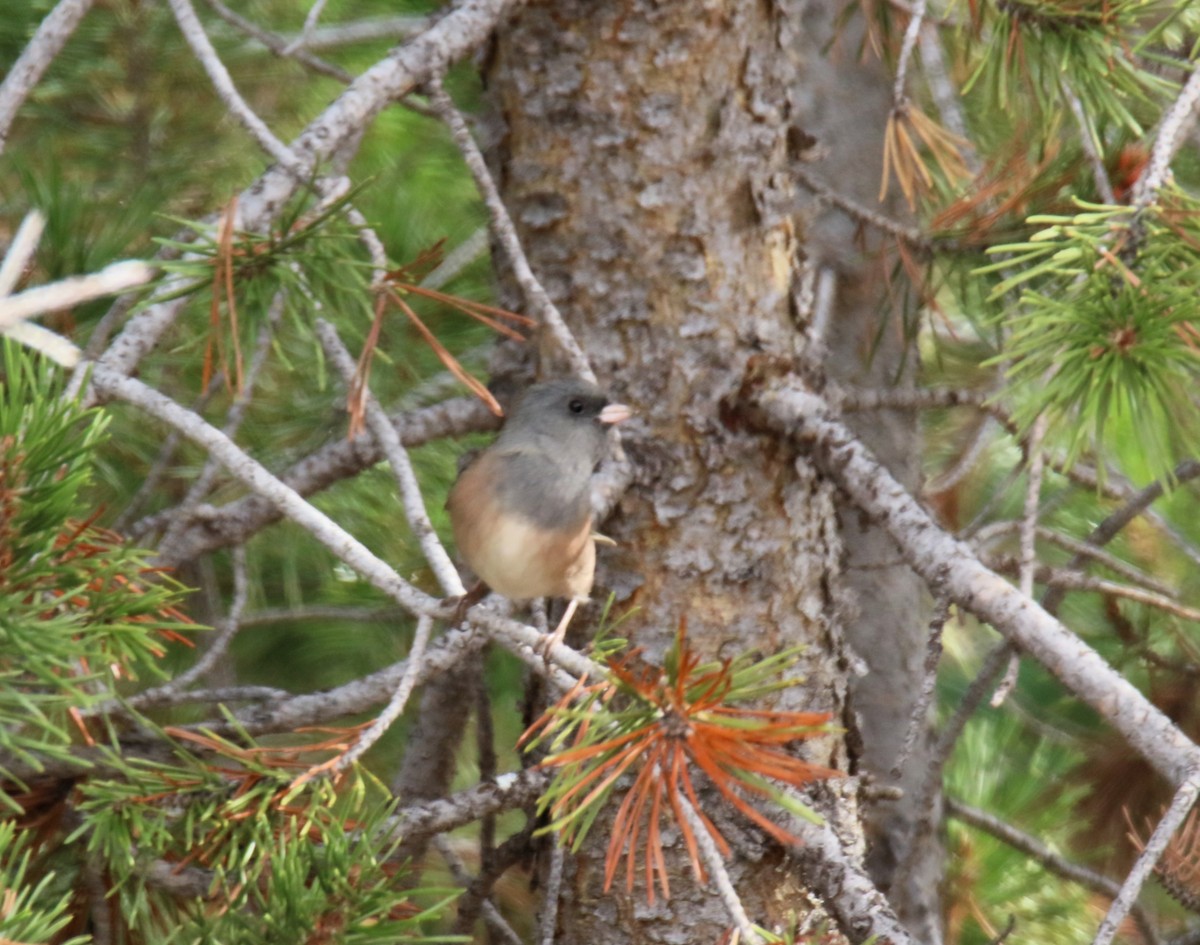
(52, 34)
(403, 69)
(952, 569)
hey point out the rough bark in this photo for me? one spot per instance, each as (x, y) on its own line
(643, 149)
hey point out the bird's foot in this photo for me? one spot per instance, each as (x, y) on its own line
(466, 602)
(551, 640)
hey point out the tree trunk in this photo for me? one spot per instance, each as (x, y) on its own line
(644, 151)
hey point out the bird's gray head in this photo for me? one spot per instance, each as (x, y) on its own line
(568, 412)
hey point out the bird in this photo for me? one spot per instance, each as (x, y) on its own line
(521, 509)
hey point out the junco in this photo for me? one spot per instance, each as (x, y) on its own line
(521, 510)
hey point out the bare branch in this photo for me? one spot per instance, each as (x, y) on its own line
(1171, 132)
(406, 478)
(1039, 852)
(278, 44)
(449, 39)
(216, 528)
(310, 23)
(344, 546)
(52, 34)
(361, 31)
(979, 689)
(1091, 150)
(1185, 799)
(951, 568)
(194, 33)
(548, 920)
(920, 712)
(491, 915)
(396, 704)
(74, 290)
(1028, 542)
(502, 227)
(823, 192)
(716, 869)
(508, 792)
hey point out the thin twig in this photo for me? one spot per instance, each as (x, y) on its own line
(1087, 552)
(920, 713)
(278, 44)
(899, 90)
(197, 39)
(1028, 543)
(74, 290)
(227, 630)
(925, 803)
(1171, 131)
(548, 920)
(204, 482)
(1107, 530)
(310, 24)
(406, 478)
(1185, 799)
(45, 44)
(1087, 139)
(491, 915)
(715, 864)
(396, 704)
(862, 214)
(506, 235)
(1039, 852)
(1064, 579)
(359, 31)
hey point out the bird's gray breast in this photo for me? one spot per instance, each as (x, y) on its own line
(550, 490)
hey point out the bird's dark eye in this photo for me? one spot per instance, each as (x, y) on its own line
(575, 405)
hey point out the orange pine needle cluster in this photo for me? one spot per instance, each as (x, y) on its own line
(401, 282)
(908, 131)
(680, 723)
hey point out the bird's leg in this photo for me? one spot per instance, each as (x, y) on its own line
(555, 638)
(467, 601)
